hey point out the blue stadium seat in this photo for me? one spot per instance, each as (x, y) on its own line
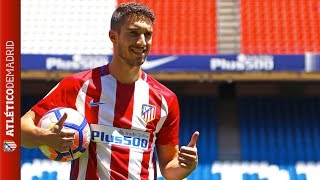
(198, 114)
(246, 176)
(216, 176)
(301, 177)
(27, 154)
(281, 130)
(35, 178)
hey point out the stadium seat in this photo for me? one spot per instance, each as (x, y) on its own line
(27, 154)
(279, 27)
(184, 26)
(276, 129)
(197, 116)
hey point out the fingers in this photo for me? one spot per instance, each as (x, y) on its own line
(194, 139)
(188, 157)
(61, 138)
(65, 145)
(58, 128)
(188, 152)
(67, 134)
(64, 149)
(62, 120)
(186, 164)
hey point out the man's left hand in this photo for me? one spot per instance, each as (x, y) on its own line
(188, 155)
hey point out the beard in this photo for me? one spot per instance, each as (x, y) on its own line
(130, 59)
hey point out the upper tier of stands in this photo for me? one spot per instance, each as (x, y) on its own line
(280, 27)
(183, 27)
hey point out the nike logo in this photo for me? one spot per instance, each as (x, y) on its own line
(92, 103)
(157, 62)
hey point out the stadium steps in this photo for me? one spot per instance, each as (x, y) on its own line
(228, 128)
(228, 26)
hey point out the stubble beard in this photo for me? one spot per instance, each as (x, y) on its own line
(132, 62)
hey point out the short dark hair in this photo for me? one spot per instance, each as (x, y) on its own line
(126, 9)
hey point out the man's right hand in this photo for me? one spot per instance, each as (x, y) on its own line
(59, 138)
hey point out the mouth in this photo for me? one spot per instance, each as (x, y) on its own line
(139, 51)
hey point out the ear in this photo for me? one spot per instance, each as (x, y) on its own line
(113, 36)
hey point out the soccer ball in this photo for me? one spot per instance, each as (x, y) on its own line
(76, 122)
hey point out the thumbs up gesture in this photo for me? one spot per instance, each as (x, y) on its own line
(188, 155)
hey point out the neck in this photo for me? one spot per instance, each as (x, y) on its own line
(124, 73)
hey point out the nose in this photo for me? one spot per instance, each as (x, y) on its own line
(142, 40)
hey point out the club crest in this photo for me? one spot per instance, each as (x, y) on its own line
(148, 112)
(9, 146)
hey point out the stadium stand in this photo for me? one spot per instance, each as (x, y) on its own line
(280, 27)
(255, 170)
(198, 114)
(280, 130)
(279, 135)
(190, 24)
(44, 169)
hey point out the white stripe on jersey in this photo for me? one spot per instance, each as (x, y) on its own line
(83, 163)
(141, 96)
(163, 116)
(80, 105)
(151, 168)
(106, 117)
(103, 160)
(134, 167)
(108, 98)
(81, 98)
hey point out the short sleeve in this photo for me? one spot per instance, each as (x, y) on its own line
(62, 95)
(169, 133)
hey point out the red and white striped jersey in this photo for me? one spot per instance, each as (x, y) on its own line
(126, 120)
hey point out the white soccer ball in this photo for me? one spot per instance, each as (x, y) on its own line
(76, 122)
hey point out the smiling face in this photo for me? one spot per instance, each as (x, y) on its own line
(132, 43)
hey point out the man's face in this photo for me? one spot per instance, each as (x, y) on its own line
(134, 40)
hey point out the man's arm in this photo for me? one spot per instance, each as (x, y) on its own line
(33, 136)
(177, 164)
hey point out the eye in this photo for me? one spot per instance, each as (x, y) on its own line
(148, 34)
(134, 33)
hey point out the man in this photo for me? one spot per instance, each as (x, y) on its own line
(119, 97)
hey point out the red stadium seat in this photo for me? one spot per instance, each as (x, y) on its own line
(183, 27)
(280, 27)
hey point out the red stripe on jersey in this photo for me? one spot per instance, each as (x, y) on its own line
(156, 100)
(93, 93)
(144, 174)
(124, 106)
(122, 118)
(92, 163)
(91, 113)
(119, 162)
